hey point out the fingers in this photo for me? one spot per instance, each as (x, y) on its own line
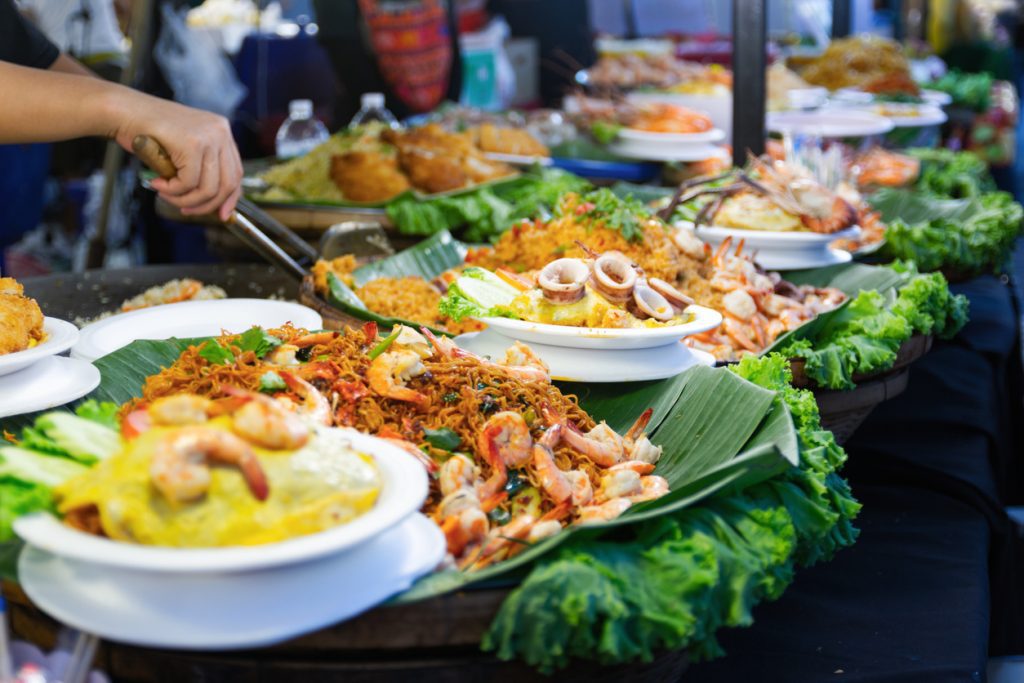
(200, 199)
(209, 170)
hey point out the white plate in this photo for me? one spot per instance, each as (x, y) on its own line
(643, 136)
(905, 115)
(771, 239)
(604, 338)
(403, 490)
(937, 97)
(190, 319)
(782, 250)
(519, 159)
(802, 260)
(648, 152)
(60, 336)
(829, 123)
(718, 107)
(590, 365)
(233, 611)
(51, 382)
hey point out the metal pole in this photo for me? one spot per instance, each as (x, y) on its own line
(140, 30)
(748, 68)
(629, 14)
(841, 18)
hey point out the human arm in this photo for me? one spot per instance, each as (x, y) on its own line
(52, 106)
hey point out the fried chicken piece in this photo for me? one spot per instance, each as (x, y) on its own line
(438, 161)
(491, 138)
(368, 176)
(21, 321)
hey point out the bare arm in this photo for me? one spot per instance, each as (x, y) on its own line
(50, 106)
(67, 64)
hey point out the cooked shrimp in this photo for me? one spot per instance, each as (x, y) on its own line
(388, 373)
(637, 466)
(651, 487)
(498, 541)
(283, 355)
(601, 444)
(504, 442)
(582, 490)
(525, 364)
(465, 528)
(181, 409)
(458, 472)
(619, 484)
(543, 529)
(604, 512)
(315, 338)
(180, 468)
(267, 423)
(552, 480)
(314, 404)
(412, 340)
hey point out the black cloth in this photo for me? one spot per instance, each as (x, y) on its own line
(908, 603)
(21, 42)
(932, 587)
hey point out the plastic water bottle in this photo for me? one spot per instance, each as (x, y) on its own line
(300, 132)
(372, 109)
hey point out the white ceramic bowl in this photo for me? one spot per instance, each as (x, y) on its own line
(782, 250)
(704, 319)
(403, 490)
(661, 139)
(829, 123)
(60, 336)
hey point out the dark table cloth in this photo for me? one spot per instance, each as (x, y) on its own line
(932, 587)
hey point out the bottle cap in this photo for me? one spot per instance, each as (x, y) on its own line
(372, 100)
(300, 109)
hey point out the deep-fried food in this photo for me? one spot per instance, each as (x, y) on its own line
(368, 176)
(438, 161)
(502, 140)
(21, 321)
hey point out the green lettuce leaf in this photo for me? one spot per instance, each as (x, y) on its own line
(477, 293)
(19, 498)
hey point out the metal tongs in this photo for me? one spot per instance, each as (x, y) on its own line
(247, 222)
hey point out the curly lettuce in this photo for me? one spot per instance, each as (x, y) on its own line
(865, 336)
(477, 293)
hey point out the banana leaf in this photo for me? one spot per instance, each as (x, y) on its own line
(428, 259)
(344, 299)
(719, 432)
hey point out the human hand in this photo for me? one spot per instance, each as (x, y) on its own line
(200, 146)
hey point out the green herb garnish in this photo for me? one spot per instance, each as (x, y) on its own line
(443, 438)
(271, 382)
(213, 352)
(385, 344)
(257, 340)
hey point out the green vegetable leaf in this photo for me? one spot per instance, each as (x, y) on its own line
(443, 438)
(384, 344)
(605, 132)
(477, 293)
(104, 413)
(37, 468)
(271, 382)
(257, 340)
(83, 440)
(213, 352)
(19, 498)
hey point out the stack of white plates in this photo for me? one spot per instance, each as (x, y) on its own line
(39, 378)
(639, 144)
(782, 250)
(591, 354)
(238, 597)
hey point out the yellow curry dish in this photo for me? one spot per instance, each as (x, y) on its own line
(238, 470)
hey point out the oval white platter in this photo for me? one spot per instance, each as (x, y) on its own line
(190, 319)
(604, 337)
(49, 383)
(60, 336)
(403, 490)
(782, 250)
(203, 612)
(913, 116)
(650, 138)
(648, 152)
(829, 123)
(596, 365)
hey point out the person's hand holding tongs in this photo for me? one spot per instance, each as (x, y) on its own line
(243, 220)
